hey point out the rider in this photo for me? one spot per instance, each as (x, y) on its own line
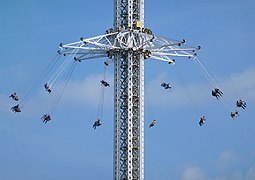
(16, 108)
(217, 93)
(97, 123)
(153, 123)
(106, 84)
(166, 85)
(47, 87)
(234, 114)
(14, 96)
(241, 103)
(46, 118)
(202, 121)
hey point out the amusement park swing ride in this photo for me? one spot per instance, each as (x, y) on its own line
(127, 45)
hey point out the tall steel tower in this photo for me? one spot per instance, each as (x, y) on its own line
(128, 45)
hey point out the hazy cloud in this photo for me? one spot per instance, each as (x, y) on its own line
(250, 175)
(237, 85)
(88, 91)
(227, 159)
(193, 173)
(228, 169)
(242, 84)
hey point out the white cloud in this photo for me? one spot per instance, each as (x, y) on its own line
(193, 173)
(178, 96)
(84, 92)
(196, 173)
(250, 175)
(227, 159)
(88, 91)
(241, 84)
(237, 85)
(238, 175)
(229, 168)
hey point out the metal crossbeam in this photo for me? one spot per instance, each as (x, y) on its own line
(108, 45)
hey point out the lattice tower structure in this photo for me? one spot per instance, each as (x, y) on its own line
(129, 92)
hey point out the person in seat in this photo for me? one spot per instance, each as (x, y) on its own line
(216, 92)
(14, 96)
(47, 87)
(234, 114)
(202, 121)
(241, 103)
(16, 108)
(104, 83)
(97, 123)
(46, 118)
(153, 123)
(166, 85)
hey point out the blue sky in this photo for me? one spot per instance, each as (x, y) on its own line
(176, 148)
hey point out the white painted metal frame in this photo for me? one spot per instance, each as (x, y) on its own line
(159, 48)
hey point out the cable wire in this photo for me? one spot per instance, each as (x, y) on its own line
(68, 76)
(188, 93)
